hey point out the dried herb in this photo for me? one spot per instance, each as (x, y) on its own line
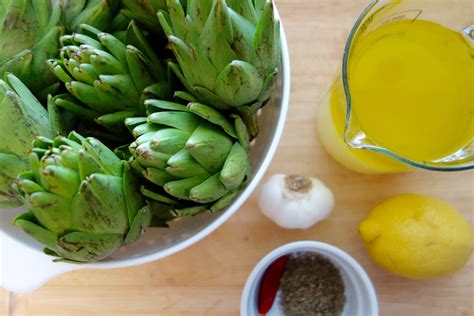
(311, 286)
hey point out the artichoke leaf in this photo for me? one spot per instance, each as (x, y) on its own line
(99, 206)
(133, 199)
(57, 67)
(136, 38)
(224, 202)
(211, 98)
(158, 176)
(143, 129)
(87, 247)
(26, 186)
(159, 90)
(177, 17)
(216, 39)
(114, 45)
(133, 122)
(175, 69)
(10, 167)
(183, 165)
(198, 11)
(185, 96)
(209, 147)
(242, 132)
(139, 223)
(268, 86)
(139, 69)
(239, 83)
(149, 158)
(264, 41)
(60, 180)
(114, 121)
(260, 6)
(169, 140)
(58, 123)
(121, 86)
(181, 188)
(213, 116)
(235, 168)
(244, 8)
(22, 116)
(27, 222)
(195, 66)
(85, 73)
(251, 121)
(157, 197)
(95, 157)
(106, 63)
(144, 11)
(142, 139)
(157, 105)
(189, 211)
(88, 95)
(244, 32)
(97, 13)
(165, 22)
(183, 121)
(208, 191)
(50, 210)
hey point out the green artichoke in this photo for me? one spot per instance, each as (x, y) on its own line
(22, 118)
(29, 35)
(82, 199)
(228, 51)
(107, 79)
(194, 158)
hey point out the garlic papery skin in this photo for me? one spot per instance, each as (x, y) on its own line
(295, 202)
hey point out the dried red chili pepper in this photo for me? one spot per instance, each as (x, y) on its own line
(270, 284)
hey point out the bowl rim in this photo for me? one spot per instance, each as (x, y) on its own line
(308, 244)
(284, 105)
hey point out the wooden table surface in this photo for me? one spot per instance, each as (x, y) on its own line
(208, 278)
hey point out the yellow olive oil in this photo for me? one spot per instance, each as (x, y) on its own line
(412, 91)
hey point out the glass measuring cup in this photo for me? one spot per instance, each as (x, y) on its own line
(347, 137)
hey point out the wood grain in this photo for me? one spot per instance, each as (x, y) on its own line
(207, 279)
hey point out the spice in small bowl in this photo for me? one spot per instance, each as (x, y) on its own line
(308, 278)
(310, 285)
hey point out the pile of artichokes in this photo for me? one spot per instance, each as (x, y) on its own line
(120, 115)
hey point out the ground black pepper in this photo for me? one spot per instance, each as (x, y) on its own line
(311, 286)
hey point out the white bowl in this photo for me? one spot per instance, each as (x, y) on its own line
(361, 299)
(26, 269)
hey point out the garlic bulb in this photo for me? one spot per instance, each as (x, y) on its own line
(295, 202)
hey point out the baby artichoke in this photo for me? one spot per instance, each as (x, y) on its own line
(29, 35)
(82, 200)
(195, 158)
(228, 51)
(22, 118)
(107, 79)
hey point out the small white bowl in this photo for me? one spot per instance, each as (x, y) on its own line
(360, 294)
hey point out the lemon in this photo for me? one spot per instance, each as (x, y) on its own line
(417, 237)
